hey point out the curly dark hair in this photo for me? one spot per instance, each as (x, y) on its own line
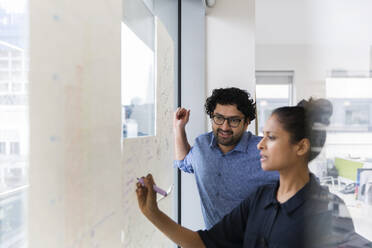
(232, 96)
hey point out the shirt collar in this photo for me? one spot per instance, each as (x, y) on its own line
(295, 201)
(271, 196)
(242, 146)
(213, 143)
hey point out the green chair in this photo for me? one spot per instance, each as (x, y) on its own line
(347, 170)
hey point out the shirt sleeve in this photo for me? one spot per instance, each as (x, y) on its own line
(185, 164)
(229, 232)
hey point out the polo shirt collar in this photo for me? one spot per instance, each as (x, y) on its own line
(295, 201)
(242, 146)
(271, 196)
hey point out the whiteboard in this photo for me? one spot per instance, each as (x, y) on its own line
(75, 170)
(151, 154)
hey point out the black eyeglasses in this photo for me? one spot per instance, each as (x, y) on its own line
(232, 121)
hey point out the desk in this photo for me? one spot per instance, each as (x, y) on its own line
(360, 212)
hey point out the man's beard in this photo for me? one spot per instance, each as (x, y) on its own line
(228, 141)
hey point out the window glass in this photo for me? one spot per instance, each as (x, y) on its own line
(13, 123)
(273, 90)
(138, 71)
(328, 46)
(350, 131)
(14, 148)
(2, 148)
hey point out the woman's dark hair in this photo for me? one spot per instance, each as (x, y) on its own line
(231, 96)
(307, 120)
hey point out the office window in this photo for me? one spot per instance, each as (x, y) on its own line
(13, 123)
(350, 132)
(273, 90)
(16, 87)
(349, 144)
(357, 115)
(14, 148)
(138, 70)
(4, 87)
(332, 39)
(2, 148)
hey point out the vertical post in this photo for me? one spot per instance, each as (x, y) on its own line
(179, 104)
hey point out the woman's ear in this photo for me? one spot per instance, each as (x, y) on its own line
(303, 147)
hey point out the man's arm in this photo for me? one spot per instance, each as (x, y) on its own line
(182, 146)
(147, 202)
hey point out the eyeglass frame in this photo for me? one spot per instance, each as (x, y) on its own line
(228, 119)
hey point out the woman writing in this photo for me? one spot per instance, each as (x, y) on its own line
(294, 212)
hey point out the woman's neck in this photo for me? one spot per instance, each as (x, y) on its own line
(291, 181)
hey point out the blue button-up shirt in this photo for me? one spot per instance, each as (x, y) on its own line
(313, 217)
(224, 180)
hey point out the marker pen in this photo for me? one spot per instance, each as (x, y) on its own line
(156, 188)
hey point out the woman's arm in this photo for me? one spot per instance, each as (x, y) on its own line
(146, 197)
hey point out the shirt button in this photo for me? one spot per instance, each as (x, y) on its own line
(219, 174)
(218, 193)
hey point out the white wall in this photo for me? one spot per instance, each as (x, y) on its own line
(313, 22)
(311, 63)
(313, 37)
(230, 49)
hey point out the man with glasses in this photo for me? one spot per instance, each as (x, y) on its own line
(225, 162)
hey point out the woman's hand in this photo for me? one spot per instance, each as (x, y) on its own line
(146, 196)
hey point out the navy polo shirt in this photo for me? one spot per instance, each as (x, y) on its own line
(313, 217)
(224, 180)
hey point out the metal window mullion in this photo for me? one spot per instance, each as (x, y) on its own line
(9, 71)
